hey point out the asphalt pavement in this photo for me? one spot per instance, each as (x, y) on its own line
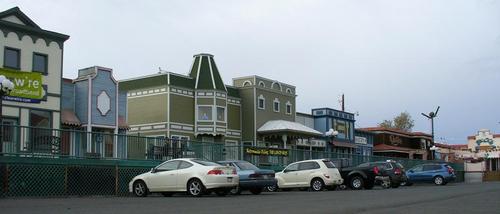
(452, 198)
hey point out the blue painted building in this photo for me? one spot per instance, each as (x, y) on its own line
(364, 142)
(340, 121)
(93, 104)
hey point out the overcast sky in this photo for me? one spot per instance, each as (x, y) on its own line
(385, 56)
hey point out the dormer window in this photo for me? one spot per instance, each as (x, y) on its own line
(261, 103)
(289, 91)
(276, 105)
(262, 84)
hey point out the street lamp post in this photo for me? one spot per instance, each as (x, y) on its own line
(331, 134)
(6, 87)
(431, 116)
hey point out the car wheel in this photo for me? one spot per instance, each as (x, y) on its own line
(438, 180)
(317, 184)
(356, 183)
(195, 188)
(167, 194)
(272, 188)
(222, 192)
(256, 191)
(140, 189)
(235, 191)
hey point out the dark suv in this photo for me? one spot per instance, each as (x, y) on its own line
(390, 173)
(386, 173)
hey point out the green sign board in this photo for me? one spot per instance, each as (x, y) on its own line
(27, 85)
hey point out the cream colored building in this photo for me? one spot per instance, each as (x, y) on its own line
(25, 47)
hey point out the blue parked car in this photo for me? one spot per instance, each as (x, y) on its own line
(439, 174)
(251, 177)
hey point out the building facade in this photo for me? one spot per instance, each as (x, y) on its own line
(269, 114)
(364, 142)
(326, 119)
(32, 58)
(486, 145)
(197, 106)
(396, 143)
(93, 103)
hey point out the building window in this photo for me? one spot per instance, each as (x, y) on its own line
(247, 83)
(289, 91)
(40, 63)
(180, 140)
(261, 84)
(276, 105)
(11, 58)
(40, 119)
(204, 112)
(288, 107)
(261, 102)
(221, 114)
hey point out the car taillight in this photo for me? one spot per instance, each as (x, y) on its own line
(375, 170)
(215, 172)
(326, 176)
(397, 171)
(253, 176)
(234, 171)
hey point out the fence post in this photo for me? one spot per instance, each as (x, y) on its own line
(66, 179)
(116, 179)
(6, 180)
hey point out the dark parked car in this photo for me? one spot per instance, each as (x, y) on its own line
(251, 177)
(439, 174)
(386, 173)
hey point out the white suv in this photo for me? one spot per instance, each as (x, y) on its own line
(316, 174)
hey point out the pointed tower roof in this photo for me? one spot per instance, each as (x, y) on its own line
(205, 73)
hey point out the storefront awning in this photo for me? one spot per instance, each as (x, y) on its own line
(279, 126)
(68, 117)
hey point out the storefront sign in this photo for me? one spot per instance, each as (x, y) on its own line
(266, 151)
(360, 140)
(27, 85)
(311, 142)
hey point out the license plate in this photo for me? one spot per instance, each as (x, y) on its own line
(265, 177)
(229, 179)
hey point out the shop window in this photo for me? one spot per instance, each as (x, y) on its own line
(276, 105)
(12, 58)
(40, 63)
(221, 114)
(204, 112)
(261, 102)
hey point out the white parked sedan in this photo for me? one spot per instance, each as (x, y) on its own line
(316, 174)
(195, 176)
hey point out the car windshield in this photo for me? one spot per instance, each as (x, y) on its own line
(205, 163)
(329, 164)
(246, 166)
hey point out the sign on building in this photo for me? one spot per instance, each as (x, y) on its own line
(27, 85)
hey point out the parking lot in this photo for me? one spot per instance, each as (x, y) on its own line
(452, 198)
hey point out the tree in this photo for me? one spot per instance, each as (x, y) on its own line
(402, 122)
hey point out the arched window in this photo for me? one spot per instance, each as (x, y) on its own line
(288, 107)
(289, 91)
(261, 102)
(277, 86)
(276, 105)
(262, 84)
(247, 83)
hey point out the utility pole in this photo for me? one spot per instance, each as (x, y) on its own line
(343, 107)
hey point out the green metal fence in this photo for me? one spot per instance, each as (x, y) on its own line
(58, 162)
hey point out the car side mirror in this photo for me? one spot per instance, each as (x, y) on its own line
(153, 170)
(286, 170)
